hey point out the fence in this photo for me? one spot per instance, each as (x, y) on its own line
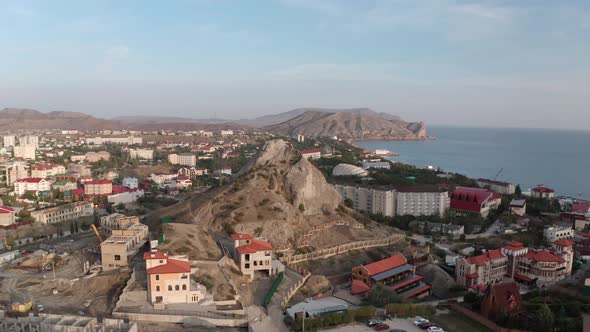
(294, 290)
(481, 319)
(274, 288)
(341, 249)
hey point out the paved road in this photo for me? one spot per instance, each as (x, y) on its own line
(491, 231)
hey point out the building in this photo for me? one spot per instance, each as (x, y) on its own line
(122, 245)
(46, 170)
(454, 231)
(9, 140)
(14, 171)
(81, 169)
(64, 185)
(227, 132)
(29, 140)
(146, 154)
(515, 261)
(311, 154)
(422, 201)
(223, 170)
(35, 185)
(116, 221)
(185, 159)
(485, 269)
(63, 213)
(183, 182)
(160, 178)
(542, 191)
(123, 195)
(518, 207)
(93, 157)
(130, 182)
(501, 301)
(7, 216)
(192, 172)
(554, 232)
(467, 200)
(499, 187)
(130, 140)
(349, 170)
(376, 165)
(77, 158)
(394, 272)
(169, 280)
(376, 200)
(98, 187)
(254, 255)
(24, 152)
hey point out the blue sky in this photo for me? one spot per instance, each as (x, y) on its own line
(480, 63)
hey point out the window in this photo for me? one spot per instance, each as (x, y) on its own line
(183, 287)
(117, 257)
(247, 257)
(157, 277)
(176, 287)
(157, 288)
(169, 287)
(247, 265)
(255, 263)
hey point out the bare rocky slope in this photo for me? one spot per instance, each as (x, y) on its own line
(361, 124)
(22, 118)
(279, 196)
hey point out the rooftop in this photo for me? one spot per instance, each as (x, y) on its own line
(254, 247)
(387, 264)
(171, 266)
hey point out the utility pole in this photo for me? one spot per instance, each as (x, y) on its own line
(53, 269)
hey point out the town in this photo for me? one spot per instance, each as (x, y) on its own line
(134, 230)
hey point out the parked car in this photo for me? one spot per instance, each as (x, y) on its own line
(425, 326)
(374, 322)
(420, 321)
(381, 327)
(397, 330)
(435, 329)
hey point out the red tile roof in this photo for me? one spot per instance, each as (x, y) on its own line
(486, 257)
(564, 243)
(41, 167)
(542, 189)
(32, 180)
(543, 256)
(358, 287)
(514, 245)
(172, 266)
(99, 182)
(6, 209)
(407, 282)
(469, 199)
(237, 236)
(386, 264)
(254, 247)
(154, 255)
(416, 292)
(583, 208)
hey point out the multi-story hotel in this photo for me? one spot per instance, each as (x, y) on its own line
(35, 185)
(514, 260)
(474, 201)
(130, 140)
(185, 159)
(24, 152)
(504, 188)
(98, 187)
(93, 157)
(376, 200)
(422, 201)
(147, 154)
(63, 212)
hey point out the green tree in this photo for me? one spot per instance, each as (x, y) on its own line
(546, 318)
(518, 191)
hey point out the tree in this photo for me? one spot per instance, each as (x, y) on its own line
(546, 318)
(518, 191)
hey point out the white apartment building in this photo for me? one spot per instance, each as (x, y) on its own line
(29, 140)
(9, 141)
(7, 216)
(185, 159)
(13, 171)
(227, 132)
(376, 200)
(422, 201)
(130, 182)
(146, 154)
(78, 158)
(554, 233)
(35, 185)
(161, 178)
(63, 213)
(24, 152)
(130, 140)
(46, 170)
(192, 172)
(504, 188)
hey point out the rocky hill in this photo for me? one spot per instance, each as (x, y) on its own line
(22, 118)
(279, 196)
(361, 124)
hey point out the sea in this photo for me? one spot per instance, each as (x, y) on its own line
(560, 159)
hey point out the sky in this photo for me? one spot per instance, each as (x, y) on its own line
(495, 63)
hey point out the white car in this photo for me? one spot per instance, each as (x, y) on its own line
(435, 329)
(421, 321)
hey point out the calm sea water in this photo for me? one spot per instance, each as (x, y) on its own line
(557, 158)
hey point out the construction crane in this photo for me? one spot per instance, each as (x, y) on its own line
(97, 233)
(498, 174)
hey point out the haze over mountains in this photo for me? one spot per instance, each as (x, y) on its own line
(355, 123)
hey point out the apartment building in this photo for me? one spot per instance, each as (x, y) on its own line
(185, 159)
(63, 213)
(130, 140)
(82, 169)
(192, 172)
(93, 157)
(98, 187)
(169, 280)
(77, 158)
(7, 216)
(29, 140)
(35, 185)
(395, 272)
(254, 255)
(542, 191)
(311, 154)
(116, 221)
(24, 152)
(515, 261)
(14, 171)
(46, 170)
(376, 200)
(422, 201)
(146, 154)
(503, 188)
(555, 232)
(160, 178)
(468, 200)
(130, 182)
(122, 245)
(9, 140)
(64, 185)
